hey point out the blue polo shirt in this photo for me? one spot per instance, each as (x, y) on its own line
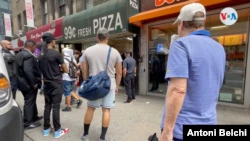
(201, 60)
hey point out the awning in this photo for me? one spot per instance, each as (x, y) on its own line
(140, 18)
(54, 27)
(112, 15)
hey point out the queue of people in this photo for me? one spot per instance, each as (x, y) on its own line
(194, 60)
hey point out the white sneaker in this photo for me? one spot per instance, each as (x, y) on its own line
(85, 138)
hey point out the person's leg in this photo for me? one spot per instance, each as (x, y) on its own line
(13, 83)
(35, 115)
(56, 100)
(88, 119)
(77, 97)
(133, 87)
(108, 103)
(47, 110)
(67, 87)
(28, 109)
(92, 105)
(105, 122)
(127, 84)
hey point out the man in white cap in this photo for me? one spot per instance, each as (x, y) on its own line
(195, 73)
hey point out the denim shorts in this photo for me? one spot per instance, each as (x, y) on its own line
(107, 102)
(68, 87)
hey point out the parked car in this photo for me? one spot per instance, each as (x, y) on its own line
(11, 121)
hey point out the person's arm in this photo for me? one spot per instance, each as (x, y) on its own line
(85, 70)
(135, 71)
(85, 67)
(124, 68)
(64, 68)
(175, 97)
(177, 73)
(118, 69)
(61, 62)
(28, 65)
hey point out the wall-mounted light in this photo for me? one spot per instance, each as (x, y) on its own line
(129, 39)
(218, 27)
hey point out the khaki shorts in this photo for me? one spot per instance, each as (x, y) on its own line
(107, 102)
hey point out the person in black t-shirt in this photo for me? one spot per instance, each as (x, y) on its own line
(51, 63)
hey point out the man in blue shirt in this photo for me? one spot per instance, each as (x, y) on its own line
(195, 72)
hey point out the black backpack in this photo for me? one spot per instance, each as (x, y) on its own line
(73, 69)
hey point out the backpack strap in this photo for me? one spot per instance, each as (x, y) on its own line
(71, 61)
(108, 57)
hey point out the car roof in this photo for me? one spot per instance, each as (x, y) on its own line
(3, 69)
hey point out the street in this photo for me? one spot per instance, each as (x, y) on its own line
(129, 122)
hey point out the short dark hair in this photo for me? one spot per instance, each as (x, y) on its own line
(126, 51)
(29, 43)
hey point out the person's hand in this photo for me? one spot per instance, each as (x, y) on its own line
(36, 86)
(116, 90)
(166, 136)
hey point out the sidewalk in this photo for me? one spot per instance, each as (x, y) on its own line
(129, 122)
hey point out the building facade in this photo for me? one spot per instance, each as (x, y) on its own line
(46, 11)
(156, 22)
(5, 7)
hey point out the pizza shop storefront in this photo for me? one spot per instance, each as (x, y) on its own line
(80, 29)
(230, 28)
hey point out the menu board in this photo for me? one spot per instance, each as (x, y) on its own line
(233, 39)
(221, 39)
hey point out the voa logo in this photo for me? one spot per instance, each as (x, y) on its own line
(69, 32)
(228, 16)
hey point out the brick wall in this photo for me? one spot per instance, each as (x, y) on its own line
(18, 7)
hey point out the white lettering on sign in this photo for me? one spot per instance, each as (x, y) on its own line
(134, 4)
(69, 32)
(111, 17)
(39, 35)
(84, 32)
(107, 22)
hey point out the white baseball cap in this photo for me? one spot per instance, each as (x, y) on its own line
(188, 11)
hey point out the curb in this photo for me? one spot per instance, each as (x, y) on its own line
(25, 134)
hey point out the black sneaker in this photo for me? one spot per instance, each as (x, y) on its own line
(67, 109)
(79, 103)
(127, 101)
(73, 102)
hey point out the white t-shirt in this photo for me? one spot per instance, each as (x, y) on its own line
(96, 57)
(66, 75)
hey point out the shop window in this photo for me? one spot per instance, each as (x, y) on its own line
(24, 20)
(71, 8)
(19, 21)
(234, 40)
(62, 8)
(89, 4)
(45, 12)
(52, 2)
(159, 41)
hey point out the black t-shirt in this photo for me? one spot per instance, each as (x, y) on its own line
(49, 64)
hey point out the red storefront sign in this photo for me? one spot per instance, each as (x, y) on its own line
(54, 27)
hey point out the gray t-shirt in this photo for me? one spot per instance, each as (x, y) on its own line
(96, 57)
(130, 64)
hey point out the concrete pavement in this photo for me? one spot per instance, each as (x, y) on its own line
(129, 122)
